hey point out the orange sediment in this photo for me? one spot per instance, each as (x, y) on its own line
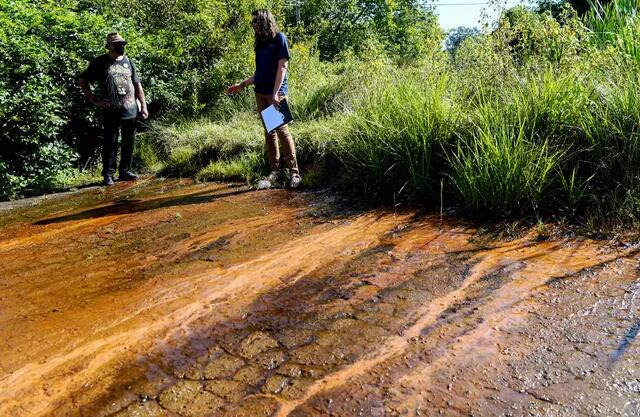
(314, 303)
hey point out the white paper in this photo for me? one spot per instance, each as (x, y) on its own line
(272, 118)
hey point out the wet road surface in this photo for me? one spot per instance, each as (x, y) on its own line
(168, 298)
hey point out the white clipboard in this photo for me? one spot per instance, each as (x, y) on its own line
(273, 117)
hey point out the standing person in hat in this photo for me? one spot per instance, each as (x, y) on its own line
(271, 85)
(119, 87)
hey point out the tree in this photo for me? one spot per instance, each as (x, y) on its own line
(403, 27)
(457, 35)
(580, 6)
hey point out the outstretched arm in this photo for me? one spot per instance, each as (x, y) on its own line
(240, 86)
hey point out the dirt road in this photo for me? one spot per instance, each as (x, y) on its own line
(168, 298)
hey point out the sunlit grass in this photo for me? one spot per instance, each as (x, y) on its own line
(501, 167)
(548, 139)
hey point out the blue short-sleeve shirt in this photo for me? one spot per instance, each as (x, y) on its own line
(267, 58)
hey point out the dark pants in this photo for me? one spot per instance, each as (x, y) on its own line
(112, 128)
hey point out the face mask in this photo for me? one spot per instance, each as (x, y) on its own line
(118, 49)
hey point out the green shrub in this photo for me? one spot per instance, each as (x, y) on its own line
(44, 45)
(42, 114)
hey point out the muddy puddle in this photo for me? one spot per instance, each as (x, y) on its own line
(169, 298)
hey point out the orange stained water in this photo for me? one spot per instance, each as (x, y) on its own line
(529, 266)
(93, 283)
(72, 307)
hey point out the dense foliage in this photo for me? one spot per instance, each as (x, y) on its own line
(41, 116)
(186, 53)
(404, 28)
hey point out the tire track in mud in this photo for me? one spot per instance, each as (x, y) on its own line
(394, 345)
(494, 306)
(326, 332)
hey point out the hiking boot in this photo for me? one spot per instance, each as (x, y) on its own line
(127, 176)
(295, 180)
(108, 181)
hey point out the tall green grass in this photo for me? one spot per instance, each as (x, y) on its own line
(618, 24)
(392, 136)
(500, 166)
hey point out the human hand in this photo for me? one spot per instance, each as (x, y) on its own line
(234, 88)
(145, 113)
(275, 100)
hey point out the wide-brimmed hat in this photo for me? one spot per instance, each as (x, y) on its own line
(114, 37)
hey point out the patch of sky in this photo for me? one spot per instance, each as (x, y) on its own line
(471, 13)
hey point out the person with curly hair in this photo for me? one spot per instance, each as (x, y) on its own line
(270, 81)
